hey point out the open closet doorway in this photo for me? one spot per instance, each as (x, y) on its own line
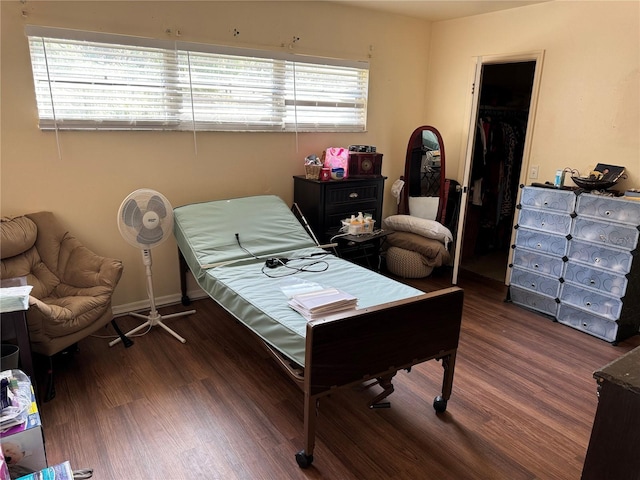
(505, 92)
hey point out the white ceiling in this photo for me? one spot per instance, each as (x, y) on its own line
(437, 10)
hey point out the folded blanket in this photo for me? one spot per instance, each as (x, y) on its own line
(433, 252)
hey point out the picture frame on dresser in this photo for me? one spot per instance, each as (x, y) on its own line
(575, 260)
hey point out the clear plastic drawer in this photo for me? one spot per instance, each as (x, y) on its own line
(596, 279)
(610, 233)
(589, 301)
(548, 199)
(541, 242)
(559, 223)
(538, 262)
(586, 322)
(597, 256)
(548, 286)
(614, 209)
(534, 301)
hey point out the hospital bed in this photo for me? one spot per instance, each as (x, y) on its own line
(227, 245)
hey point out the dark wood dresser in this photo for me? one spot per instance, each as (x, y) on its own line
(615, 438)
(326, 204)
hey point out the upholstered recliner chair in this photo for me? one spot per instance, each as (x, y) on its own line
(72, 286)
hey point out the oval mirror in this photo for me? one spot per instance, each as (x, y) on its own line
(424, 175)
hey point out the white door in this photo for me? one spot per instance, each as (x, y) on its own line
(471, 138)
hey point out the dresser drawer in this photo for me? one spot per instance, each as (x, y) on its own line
(545, 221)
(535, 282)
(541, 242)
(605, 208)
(586, 322)
(338, 195)
(596, 256)
(547, 199)
(597, 279)
(614, 234)
(538, 262)
(534, 301)
(589, 301)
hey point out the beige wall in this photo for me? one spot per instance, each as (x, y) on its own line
(589, 99)
(98, 169)
(588, 109)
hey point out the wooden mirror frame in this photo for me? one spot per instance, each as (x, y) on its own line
(416, 142)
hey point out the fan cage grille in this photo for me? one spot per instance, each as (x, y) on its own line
(145, 218)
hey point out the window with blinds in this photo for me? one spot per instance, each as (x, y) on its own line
(89, 81)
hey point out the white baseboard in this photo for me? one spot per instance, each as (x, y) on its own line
(121, 310)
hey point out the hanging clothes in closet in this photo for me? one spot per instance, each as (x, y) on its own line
(496, 170)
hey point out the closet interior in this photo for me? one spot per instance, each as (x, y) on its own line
(503, 110)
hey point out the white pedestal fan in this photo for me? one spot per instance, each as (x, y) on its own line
(145, 220)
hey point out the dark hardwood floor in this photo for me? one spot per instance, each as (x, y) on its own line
(218, 407)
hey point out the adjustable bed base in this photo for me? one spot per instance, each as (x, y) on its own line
(394, 327)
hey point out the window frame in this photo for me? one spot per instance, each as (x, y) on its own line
(299, 93)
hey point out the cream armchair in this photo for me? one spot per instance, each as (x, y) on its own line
(72, 286)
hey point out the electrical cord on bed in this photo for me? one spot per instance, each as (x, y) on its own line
(274, 262)
(323, 266)
(244, 249)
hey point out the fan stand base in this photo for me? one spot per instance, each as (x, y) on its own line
(155, 319)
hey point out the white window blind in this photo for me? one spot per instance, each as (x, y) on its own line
(89, 80)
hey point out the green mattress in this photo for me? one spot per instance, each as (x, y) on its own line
(235, 275)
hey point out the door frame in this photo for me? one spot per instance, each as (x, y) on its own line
(471, 120)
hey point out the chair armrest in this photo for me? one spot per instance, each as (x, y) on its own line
(84, 268)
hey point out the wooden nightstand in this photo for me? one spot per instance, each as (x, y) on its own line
(326, 204)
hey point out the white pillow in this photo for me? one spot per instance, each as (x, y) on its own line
(424, 207)
(420, 226)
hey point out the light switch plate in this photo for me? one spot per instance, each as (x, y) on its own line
(533, 171)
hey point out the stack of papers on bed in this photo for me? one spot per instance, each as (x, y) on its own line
(321, 303)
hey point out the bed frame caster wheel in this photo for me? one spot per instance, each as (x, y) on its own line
(439, 404)
(303, 459)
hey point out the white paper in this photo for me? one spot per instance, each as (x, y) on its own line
(291, 286)
(322, 303)
(14, 298)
